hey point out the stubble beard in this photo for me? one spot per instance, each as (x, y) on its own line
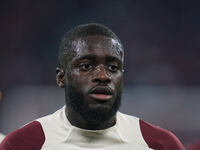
(94, 116)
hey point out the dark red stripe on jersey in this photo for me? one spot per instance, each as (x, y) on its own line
(158, 138)
(29, 137)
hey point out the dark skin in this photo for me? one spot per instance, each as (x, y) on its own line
(97, 64)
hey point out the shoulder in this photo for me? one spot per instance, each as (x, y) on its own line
(127, 118)
(55, 127)
(129, 124)
(28, 137)
(129, 129)
(159, 138)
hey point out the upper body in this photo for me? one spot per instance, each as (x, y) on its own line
(1, 137)
(90, 70)
(129, 132)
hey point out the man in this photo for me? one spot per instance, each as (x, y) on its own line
(91, 69)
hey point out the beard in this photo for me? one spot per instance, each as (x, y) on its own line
(96, 115)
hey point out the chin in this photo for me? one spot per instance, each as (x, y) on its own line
(100, 107)
(98, 114)
(94, 112)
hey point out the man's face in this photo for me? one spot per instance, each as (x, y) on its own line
(93, 78)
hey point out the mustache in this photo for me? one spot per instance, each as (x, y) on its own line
(101, 90)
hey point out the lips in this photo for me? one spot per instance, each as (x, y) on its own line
(101, 93)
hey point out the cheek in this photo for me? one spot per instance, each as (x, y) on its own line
(117, 80)
(78, 80)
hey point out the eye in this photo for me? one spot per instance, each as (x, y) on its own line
(85, 67)
(113, 68)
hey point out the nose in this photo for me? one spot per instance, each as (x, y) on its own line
(101, 76)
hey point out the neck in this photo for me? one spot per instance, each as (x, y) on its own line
(77, 120)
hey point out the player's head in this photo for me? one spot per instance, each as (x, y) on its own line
(91, 71)
(66, 50)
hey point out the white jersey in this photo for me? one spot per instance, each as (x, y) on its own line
(126, 131)
(55, 132)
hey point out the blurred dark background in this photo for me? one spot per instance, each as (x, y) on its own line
(162, 50)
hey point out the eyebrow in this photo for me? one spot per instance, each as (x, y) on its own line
(112, 58)
(93, 57)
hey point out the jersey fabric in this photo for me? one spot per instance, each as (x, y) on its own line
(1, 137)
(54, 132)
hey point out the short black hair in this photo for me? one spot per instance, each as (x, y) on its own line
(82, 31)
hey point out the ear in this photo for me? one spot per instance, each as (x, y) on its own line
(60, 77)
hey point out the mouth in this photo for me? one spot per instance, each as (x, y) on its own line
(101, 93)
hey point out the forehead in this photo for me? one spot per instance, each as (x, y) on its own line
(97, 45)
